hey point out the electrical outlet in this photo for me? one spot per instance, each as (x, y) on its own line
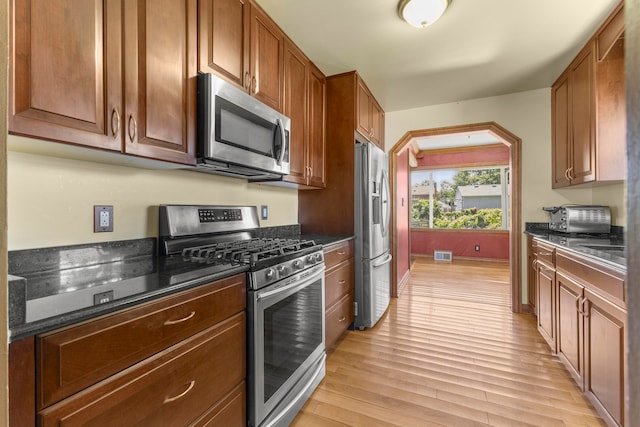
(265, 212)
(477, 248)
(102, 219)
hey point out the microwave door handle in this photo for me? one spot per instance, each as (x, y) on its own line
(280, 126)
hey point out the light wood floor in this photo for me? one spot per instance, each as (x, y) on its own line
(448, 352)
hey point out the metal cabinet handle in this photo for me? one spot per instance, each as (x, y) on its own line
(247, 81)
(570, 173)
(341, 252)
(181, 395)
(254, 85)
(342, 282)
(545, 253)
(342, 319)
(184, 319)
(132, 133)
(115, 124)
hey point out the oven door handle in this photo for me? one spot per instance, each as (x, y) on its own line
(295, 285)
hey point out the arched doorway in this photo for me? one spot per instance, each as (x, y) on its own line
(515, 233)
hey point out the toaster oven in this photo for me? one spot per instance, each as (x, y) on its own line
(593, 219)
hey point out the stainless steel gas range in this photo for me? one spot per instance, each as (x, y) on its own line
(285, 300)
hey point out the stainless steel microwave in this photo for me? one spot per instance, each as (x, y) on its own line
(238, 135)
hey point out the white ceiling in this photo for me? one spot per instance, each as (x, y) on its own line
(455, 140)
(479, 48)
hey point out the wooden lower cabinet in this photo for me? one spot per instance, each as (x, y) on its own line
(605, 349)
(172, 388)
(178, 360)
(339, 290)
(570, 330)
(587, 319)
(546, 290)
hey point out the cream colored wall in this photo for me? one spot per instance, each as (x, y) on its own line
(4, 56)
(51, 199)
(528, 116)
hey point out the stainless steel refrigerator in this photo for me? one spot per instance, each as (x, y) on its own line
(372, 212)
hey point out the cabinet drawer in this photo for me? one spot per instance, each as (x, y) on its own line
(338, 319)
(338, 282)
(172, 388)
(79, 356)
(229, 412)
(603, 280)
(337, 253)
(546, 253)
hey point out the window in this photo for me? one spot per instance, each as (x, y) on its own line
(476, 198)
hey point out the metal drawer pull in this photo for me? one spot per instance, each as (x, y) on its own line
(184, 319)
(342, 282)
(341, 253)
(342, 319)
(545, 253)
(184, 393)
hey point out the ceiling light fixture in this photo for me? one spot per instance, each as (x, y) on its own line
(422, 13)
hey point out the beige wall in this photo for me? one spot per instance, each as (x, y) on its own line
(528, 116)
(51, 199)
(4, 56)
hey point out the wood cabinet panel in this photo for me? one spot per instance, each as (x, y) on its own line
(546, 304)
(160, 85)
(296, 71)
(610, 33)
(570, 325)
(560, 128)
(65, 71)
(605, 346)
(531, 274)
(223, 27)
(316, 151)
(167, 389)
(267, 59)
(22, 383)
(79, 356)
(369, 115)
(339, 282)
(335, 254)
(82, 93)
(338, 319)
(229, 412)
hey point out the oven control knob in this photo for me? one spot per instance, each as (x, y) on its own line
(309, 259)
(282, 269)
(297, 264)
(318, 257)
(269, 273)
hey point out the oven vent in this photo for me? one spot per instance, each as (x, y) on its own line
(442, 256)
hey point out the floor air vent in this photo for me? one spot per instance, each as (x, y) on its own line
(442, 256)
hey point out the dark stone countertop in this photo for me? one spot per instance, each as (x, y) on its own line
(54, 287)
(326, 239)
(608, 249)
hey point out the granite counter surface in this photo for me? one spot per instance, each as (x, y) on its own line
(608, 249)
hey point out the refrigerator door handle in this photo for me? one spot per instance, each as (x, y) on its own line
(384, 204)
(384, 261)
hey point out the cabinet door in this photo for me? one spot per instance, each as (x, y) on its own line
(65, 76)
(377, 124)
(546, 282)
(160, 79)
(531, 274)
(583, 163)
(267, 63)
(570, 325)
(605, 344)
(363, 109)
(316, 143)
(560, 128)
(296, 67)
(223, 40)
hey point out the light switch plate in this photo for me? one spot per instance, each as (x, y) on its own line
(264, 209)
(102, 219)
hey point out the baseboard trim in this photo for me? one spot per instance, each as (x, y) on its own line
(464, 258)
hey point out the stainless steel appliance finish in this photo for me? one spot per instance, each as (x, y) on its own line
(580, 219)
(238, 135)
(285, 301)
(372, 213)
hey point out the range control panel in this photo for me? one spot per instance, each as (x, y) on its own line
(219, 215)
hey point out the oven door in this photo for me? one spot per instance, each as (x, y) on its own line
(286, 346)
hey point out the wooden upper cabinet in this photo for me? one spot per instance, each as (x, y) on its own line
(296, 71)
(267, 59)
(65, 71)
(588, 111)
(160, 79)
(304, 104)
(68, 59)
(224, 39)
(369, 115)
(317, 146)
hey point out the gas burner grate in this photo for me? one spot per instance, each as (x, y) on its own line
(249, 251)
